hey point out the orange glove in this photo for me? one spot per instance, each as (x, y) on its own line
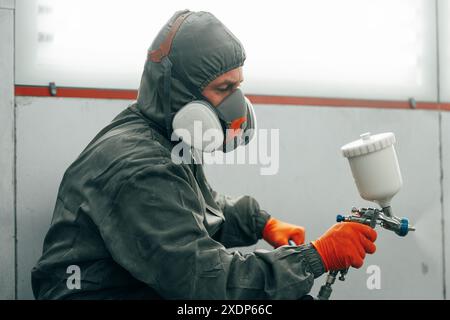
(278, 233)
(345, 244)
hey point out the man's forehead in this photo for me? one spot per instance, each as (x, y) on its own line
(231, 77)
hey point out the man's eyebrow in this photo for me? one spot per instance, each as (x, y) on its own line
(228, 82)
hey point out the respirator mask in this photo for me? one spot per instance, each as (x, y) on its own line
(225, 127)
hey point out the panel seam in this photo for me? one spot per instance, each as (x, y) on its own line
(441, 158)
(16, 267)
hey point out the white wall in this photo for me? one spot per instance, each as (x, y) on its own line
(444, 49)
(380, 49)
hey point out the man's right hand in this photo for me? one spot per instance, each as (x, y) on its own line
(345, 245)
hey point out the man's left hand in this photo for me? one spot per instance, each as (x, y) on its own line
(278, 233)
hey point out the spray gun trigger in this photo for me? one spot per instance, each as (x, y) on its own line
(342, 275)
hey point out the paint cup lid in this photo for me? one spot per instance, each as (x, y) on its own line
(367, 144)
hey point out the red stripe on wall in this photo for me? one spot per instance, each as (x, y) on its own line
(38, 91)
(338, 102)
(65, 92)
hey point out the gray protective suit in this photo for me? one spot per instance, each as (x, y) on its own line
(139, 226)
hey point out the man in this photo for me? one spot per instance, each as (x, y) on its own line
(139, 226)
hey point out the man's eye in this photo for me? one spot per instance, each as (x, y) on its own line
(227, 88)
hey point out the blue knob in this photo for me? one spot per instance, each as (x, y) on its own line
(404, 227)
(340, 218)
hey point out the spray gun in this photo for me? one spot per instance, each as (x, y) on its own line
(374, 165)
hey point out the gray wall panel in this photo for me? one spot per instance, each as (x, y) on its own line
(51, 132)
(446, 189)
(7, 242)
(7, 4)
(314, 184)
